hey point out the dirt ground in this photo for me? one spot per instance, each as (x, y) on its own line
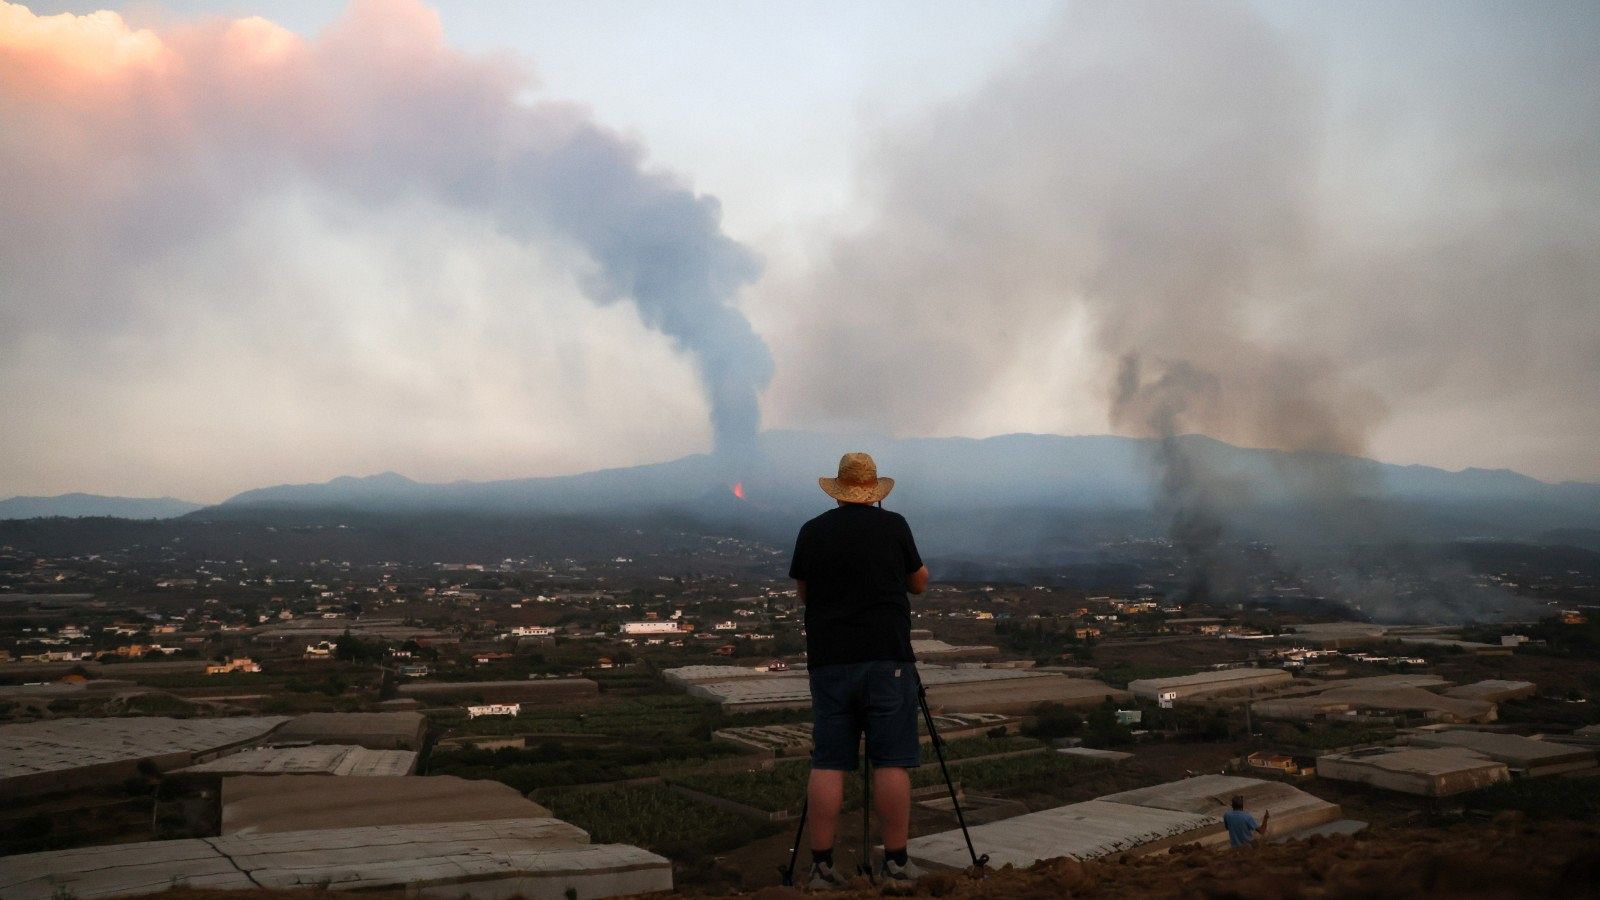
(1510, 857)
(756, 864)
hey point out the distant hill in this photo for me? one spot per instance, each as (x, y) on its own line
(1019, 500)
(984, 493)
(1017, 469)
(77, 506)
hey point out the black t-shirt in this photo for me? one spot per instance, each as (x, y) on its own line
(854, 560)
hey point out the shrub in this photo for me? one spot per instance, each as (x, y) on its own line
(1051, 721)
(1568, 798)
(1015, 774)
(657, 818)
(770, 790)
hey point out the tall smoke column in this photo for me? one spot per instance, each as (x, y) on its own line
(655, 243)
(1187, 493)
(220, 116)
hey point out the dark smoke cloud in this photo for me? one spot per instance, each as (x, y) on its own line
(1189, 497)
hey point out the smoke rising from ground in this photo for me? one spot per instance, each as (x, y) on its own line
(126, 147)
(1247, 258)
(1355, 266)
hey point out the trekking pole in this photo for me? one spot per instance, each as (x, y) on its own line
(787, 872)
(865, 866)
(978, 862)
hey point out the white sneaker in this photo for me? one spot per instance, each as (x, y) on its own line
(896, 878)
(824, 878)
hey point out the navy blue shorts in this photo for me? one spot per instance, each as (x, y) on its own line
(878, 698)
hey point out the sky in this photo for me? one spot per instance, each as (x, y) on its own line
(246, 243)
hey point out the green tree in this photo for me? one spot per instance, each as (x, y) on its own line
(1052, 721)
(1103, 730)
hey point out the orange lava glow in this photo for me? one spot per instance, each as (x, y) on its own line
(738, 489)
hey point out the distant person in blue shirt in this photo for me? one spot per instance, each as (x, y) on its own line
(1243, 827)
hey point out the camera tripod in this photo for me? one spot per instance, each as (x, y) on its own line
(865, 866)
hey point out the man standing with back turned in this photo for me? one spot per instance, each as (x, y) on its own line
(1243, 827)
(852, 567)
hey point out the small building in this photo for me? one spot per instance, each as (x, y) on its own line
(265, 804)
(1523, 756)
(533, 857)
(1387, 697)
(529, 690)
(1210, 684)
(671, 627)
(1276, 762)
(1195, 625)
(1105, 756)
(325, 759)
(1429, 772)
(1494, 690)
(238, 664)
(1129, 823)
(70, 754)
(392, 730)
(768, 740)
(494, 709)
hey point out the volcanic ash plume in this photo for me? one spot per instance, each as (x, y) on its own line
(126, 144)
(1188, 495)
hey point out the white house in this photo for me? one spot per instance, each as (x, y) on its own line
(652, 627)
(494, 709)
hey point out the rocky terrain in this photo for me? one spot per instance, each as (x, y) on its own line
(1510, 857)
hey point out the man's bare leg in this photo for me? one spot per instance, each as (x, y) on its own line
(825, 794)
(891, 800)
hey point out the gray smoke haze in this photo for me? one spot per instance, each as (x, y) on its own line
(1250, 254)
(1360, 247)
(144, 145)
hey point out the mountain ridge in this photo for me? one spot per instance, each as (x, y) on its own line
(1061, 485)
(1487, 477)
(1000, 481)
(77, 505)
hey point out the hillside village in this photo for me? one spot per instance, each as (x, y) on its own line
(617, 730)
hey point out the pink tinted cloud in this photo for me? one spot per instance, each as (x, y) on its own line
(125, 144)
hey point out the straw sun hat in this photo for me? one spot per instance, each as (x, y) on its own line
(858, 480)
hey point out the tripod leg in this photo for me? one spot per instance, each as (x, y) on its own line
(794, 852)
(938, 750)
(865, 866)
